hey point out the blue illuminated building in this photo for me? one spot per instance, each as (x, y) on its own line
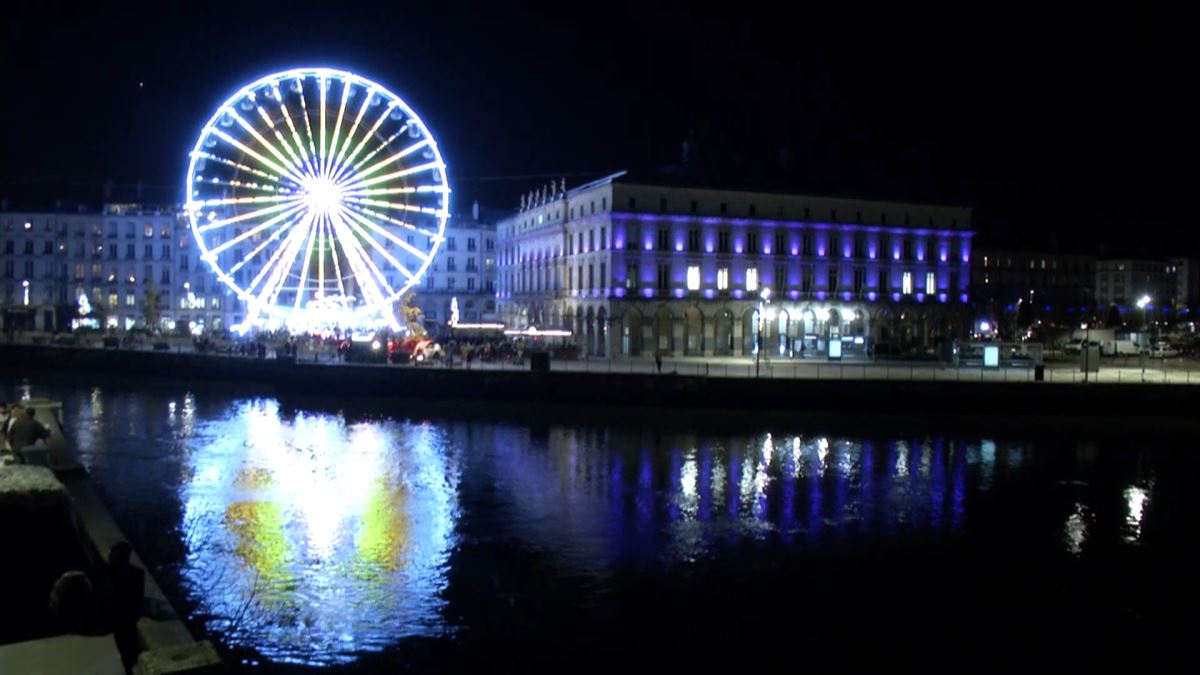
(634, 265)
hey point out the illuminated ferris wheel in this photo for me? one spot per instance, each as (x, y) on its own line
(319, 197)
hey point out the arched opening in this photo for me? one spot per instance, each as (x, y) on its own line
(663, 339)
(785, 338)
(749, 331)
(693, 331)
(601, 332)
(631, 332)
(590, 327)
(723, 333)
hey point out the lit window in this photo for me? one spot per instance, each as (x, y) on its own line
(723, 279)
(693, 277)
(930, 283)
(906, 286)
(752, 279)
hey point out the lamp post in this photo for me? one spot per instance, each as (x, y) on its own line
(763, 298)
(1141, 303)
(1087, 341)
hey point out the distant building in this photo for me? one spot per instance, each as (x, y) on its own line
(114, 257)
(1121, 283)
(1187, 282)
(636, 265)
(1058, 286)
(464, 268)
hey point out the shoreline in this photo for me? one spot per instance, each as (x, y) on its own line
(611, 394)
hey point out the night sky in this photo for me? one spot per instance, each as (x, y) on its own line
(1064, 130)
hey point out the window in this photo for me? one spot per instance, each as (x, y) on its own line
(860, 279)
(148, 252)
(604, 203)
(695, 206)
(780, 278)
(859, 247)
(833, 216)
(663, 237)
(470, 283)
(632, 203)
(450, 244)
(591, 276)
(662, 204)
(807, 245)
(450, 283)
(470, 243)
(723, 279)
(129, 252)
(603, 238)
(693, 277)
(723, 241)
(884, 280)
(806, 280)
(149, 231)
(166, 252)
(579, 242)
(570, 245)
(930, 283)
(604, 278)
(954, 281)
(753, 210)
(78, 270)
(451, 264)
(591, 240)
(833, 280)
(752, 242)
(166, 276)
(112, 300)
(29, 247)
(724, 208)
(907, 284)
(780, 242)
(592, 204)
(908, 249)
(752, 279)
(664, 276)
(631, 275)
(48, 249)
(472, 265)
(632, 235)
(693, 240)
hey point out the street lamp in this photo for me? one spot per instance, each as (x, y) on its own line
(763, 298)
(1087, 341)
(1141, 303)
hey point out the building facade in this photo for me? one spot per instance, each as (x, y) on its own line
(1058, 286)
(117, 258)
(464, 268)
(1121, 283)
(634, 267)
(1187, 282)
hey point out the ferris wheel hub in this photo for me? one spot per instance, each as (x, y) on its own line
(322, 195)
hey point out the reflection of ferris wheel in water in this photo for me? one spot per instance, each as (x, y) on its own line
(319, 197)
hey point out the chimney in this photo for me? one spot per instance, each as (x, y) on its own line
(475, 210)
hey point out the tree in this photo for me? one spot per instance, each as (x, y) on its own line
(151, 310)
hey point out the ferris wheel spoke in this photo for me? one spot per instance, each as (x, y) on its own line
(359, 176)
(277, 179)
(287, 164)
(250, 215)
(395, 206)
(331, 161)
(265, 225)
(386, 142)
(392, 221)
(362, 110)
(412, 250)
(366, 236)
(276, 261)
(323, 155)
(282, 271)
(360, 262)
(287, 116)
(272, 238)
(250, 151)
(420, 168)
(366, 137)
(337, 266)
(258, 199)
(312, 145)
(308, 254)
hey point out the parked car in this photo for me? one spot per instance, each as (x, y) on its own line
(1161, 352)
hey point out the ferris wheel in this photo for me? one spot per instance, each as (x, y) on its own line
(319, 197)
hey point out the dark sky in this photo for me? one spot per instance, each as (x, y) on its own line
(1063, 129)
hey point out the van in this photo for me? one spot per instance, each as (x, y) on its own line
(1119, 348)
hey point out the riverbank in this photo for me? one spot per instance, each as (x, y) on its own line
(636, 390)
